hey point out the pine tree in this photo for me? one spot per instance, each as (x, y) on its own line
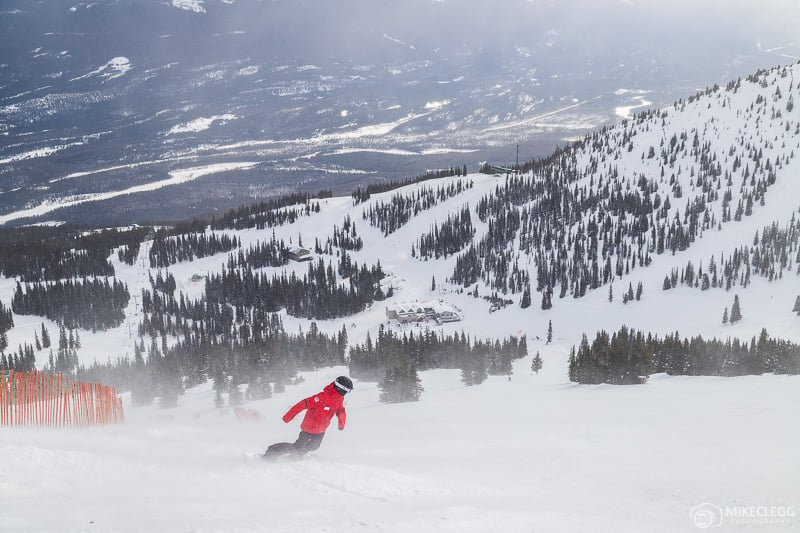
(549, 331)
(736, 312)
(536, 364)
(45, 337)
(401, 383)
(547, 298)
(235, 396)
(341, 342)
(142, 383)
(796, 307)
(725, 316)
(474, 367)
(433, 283)
(525, 302)
(259, 388)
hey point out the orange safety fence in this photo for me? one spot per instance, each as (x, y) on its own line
(39, 399)
(244, 414)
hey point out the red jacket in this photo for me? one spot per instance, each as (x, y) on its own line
(321, 408)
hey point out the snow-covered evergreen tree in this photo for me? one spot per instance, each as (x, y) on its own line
(536, 363)
(736, 311)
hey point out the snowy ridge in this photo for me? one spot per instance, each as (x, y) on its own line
(529, 453)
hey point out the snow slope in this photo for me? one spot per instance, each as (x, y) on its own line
(533, 453)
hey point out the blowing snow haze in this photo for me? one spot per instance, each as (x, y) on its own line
(122, 111)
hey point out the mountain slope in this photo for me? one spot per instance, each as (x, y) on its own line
(600, 203)
(526, 453)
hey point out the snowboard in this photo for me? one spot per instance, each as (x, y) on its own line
(254, 456)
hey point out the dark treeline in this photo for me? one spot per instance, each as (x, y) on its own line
(447, 238)
(6, 323)
(258, 356)
(24, 358)
(774, 251)
(21, 360)
(246, 352)
(629, 357)
(259, 255)
(186, 240)
(362, 195)
(53, 253)
(346, 238)
(237, 297)
(319, 294)
(128, 252)
(65, 360)
(398, 358)
(271, 213)
(169, 250)
(165, 284)
(492, 260)
(91, 304)
(391, 216)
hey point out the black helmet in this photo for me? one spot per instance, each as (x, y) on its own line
(343, 385)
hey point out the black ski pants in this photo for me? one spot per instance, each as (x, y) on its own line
(306, 442)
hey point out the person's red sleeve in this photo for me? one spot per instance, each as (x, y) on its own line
(341, 414)
(296, 408)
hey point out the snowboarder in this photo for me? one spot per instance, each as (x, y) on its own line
(320, 410)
